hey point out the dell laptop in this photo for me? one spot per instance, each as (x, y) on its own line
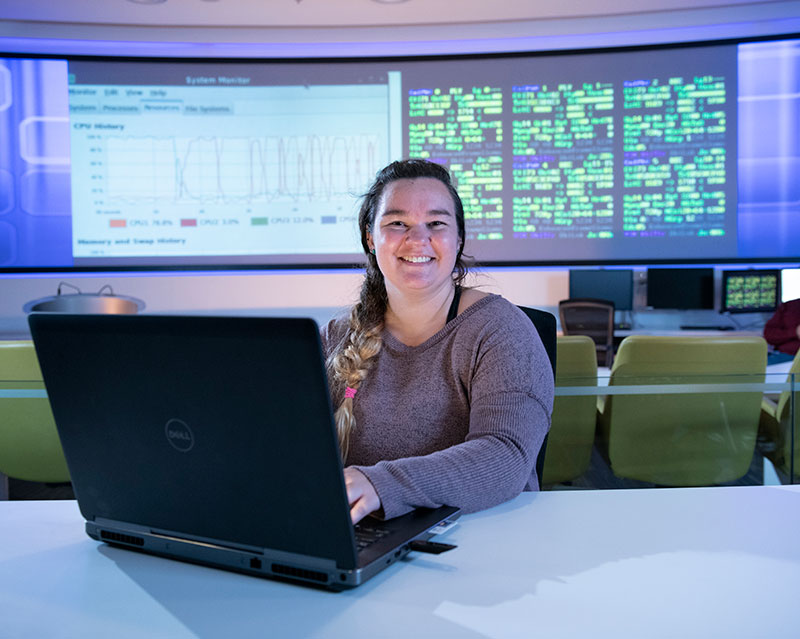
(211, 440)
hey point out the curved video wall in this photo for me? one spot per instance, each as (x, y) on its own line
(669, 154)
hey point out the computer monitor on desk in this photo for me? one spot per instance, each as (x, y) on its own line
(680, 288)
(750, 291)
(790, 284)
(615, 285)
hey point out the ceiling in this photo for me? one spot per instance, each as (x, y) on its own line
(332, 13)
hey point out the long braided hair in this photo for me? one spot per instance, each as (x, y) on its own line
(350, 361)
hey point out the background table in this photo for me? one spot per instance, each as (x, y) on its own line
(697, 562)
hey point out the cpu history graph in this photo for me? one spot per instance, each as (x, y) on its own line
(281, 170)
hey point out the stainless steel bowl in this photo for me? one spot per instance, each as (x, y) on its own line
(86, 303)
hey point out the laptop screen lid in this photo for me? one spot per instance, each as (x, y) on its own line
(212, 427)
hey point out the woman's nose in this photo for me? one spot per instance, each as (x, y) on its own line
(418, 233)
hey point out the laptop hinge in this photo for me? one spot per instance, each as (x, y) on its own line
(163, 534)
(268, 553)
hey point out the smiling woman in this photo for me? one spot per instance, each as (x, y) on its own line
(416, 242)
(444, 392)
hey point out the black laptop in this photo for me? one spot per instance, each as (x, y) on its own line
(211, 439)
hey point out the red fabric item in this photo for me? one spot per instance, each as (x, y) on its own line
(781, 329)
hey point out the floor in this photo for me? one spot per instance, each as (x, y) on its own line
(599, 476)
(25, 490)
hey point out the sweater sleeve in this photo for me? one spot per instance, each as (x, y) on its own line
(511, 397)
(780, 328)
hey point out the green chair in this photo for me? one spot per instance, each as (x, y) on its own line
(571, 437)
(776, 424)
(29, 444)
(686, 438)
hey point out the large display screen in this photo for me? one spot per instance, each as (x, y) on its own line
(639, 155)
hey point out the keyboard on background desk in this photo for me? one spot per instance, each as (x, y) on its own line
(705, 327)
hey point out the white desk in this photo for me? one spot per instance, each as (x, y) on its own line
(701, 562)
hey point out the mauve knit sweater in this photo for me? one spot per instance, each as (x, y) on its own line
(457, 420)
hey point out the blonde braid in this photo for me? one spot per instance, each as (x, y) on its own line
(351, 361)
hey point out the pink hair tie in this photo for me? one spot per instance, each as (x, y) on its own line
(349, 393)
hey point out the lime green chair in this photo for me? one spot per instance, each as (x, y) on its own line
(29, 444)
(776, 424)
(683, 439)
(571, 437)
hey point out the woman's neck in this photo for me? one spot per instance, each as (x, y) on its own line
(414, 318)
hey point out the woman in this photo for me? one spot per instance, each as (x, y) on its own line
(444, 392)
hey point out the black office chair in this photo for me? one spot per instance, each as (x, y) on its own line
(593, 318)
(545, 325)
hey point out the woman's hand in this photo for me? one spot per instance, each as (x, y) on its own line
(360, 494)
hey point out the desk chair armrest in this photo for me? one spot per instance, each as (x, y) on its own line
(770, 407)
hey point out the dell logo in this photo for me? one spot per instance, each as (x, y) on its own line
(179, 435)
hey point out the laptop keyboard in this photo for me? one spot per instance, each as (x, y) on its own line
(367, 535)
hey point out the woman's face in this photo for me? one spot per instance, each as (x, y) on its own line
(415, 235)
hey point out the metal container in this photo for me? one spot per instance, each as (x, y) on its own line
(104, 301)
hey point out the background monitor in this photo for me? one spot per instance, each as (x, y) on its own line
(615, 285)
(790, 284)
(680, 288)
(750, 291)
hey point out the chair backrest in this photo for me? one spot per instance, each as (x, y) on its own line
(791, 432)
(784, 404)
(572, 433)
(593, 318)
(29, 444)
(686, 438)
(545, 325)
